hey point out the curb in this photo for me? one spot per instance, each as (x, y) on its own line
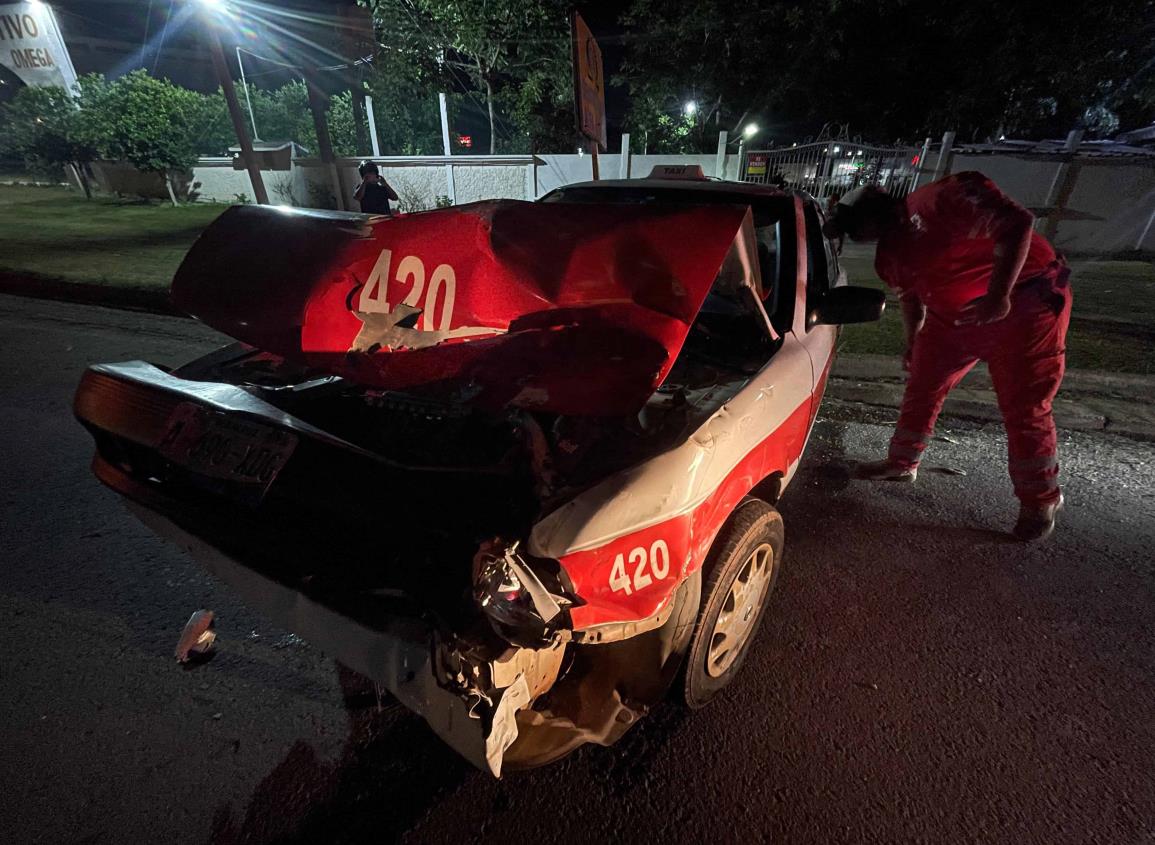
(1134, 420)
(888, 368)
(150, 300)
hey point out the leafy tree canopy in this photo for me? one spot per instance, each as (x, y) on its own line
(892, 69)
(513, 55)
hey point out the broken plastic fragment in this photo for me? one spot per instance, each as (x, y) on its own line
(197, 638)
(504, 729)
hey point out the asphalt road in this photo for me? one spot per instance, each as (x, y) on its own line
(919, 678)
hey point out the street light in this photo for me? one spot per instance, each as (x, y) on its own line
(690, 109)
(751, 130)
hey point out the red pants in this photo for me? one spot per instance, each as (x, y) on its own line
(1025, 353)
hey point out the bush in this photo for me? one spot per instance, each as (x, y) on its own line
(48, 129)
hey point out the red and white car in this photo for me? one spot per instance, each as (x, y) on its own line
(516, 462)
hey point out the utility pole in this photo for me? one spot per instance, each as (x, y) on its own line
(226, 81)
(318, 103)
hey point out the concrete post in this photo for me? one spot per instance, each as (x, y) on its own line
(918, 171)
(449, 185)
(942, 166)
(720, 156)
(372, 126)
(624, 167)
(1062, 186)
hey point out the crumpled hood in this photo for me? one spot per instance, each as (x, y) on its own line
(568, 308)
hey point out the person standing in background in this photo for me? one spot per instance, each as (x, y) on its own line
(374, 192)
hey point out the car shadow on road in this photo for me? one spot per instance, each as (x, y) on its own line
(391, 770)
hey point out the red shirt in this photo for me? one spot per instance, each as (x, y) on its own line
(945, 252)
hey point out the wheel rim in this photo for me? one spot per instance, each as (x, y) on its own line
(739, 613)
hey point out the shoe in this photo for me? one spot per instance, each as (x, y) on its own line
(885, 470)
(1036, 522)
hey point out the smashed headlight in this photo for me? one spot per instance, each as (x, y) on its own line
(513, 596)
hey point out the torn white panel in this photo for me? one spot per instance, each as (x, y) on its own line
(382, 331)
(504, 730)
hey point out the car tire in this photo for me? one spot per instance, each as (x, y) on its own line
(740, 573)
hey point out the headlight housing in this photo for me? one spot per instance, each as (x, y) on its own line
(523, 603)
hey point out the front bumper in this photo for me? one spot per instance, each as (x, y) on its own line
(468, 692)
(402, 654)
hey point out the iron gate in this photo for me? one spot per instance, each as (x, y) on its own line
(835, 167)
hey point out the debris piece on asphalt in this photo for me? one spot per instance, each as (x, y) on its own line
(197, 638)
(947, 470)
(945, 438)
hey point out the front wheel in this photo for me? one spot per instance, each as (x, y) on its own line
(740, 573)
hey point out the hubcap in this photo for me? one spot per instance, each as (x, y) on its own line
(739, 612)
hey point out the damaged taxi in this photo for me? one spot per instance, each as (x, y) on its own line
(516, 462)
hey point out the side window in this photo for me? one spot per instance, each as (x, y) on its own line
(769, 240)
(831, 260)
(819, 264)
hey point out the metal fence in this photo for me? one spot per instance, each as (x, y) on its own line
(835, 167)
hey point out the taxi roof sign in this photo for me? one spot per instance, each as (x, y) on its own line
(677, 171)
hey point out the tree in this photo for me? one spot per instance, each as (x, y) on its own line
(150, 123)
(405, 104)
(890, 69)
(281, 114)
(483, 45)
(47, 127)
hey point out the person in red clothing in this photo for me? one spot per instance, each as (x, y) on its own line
(975, 283)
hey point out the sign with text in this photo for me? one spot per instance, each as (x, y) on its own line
(589, 84)
(31, 46)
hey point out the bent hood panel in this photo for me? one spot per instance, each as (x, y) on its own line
(573, 309)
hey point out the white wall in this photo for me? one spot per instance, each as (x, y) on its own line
(1119, 191)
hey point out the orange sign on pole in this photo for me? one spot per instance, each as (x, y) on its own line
(589, 87)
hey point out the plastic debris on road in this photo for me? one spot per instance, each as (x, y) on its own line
(197, 638)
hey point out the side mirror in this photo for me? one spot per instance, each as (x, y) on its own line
(849, 305)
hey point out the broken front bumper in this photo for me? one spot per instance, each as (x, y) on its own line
(469, 693)
(403, 654)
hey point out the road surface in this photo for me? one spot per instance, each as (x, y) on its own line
(919, 678)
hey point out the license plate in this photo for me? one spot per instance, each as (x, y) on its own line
(221, 446)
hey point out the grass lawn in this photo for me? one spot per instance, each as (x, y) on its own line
(54, 233)
(1112, 322)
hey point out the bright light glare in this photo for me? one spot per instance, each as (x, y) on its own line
(838, 149)
(214, 5)
(691, 107)
(751, 130)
